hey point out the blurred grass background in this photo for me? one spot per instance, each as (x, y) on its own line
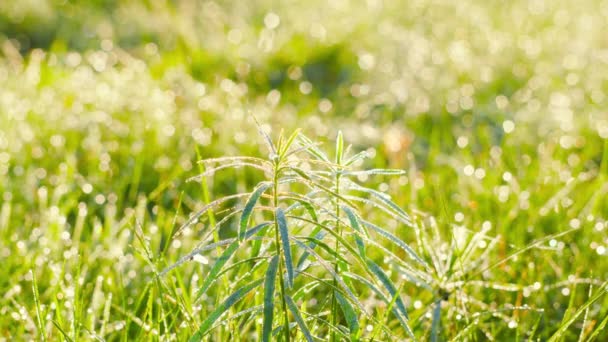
(496, 109)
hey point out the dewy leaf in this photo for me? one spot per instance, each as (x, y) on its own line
(386, 172)
(395, 240)
(399, 311)
(271, 147)
(269, 285)
(388, 284)
(223, 259)
(312, 148)
(222, 308)
(283, 231)
(289, 142)
(318, 234)
(359, 156)
(217, 267)
(354, 222)
(349, 315)
(253, 199)
(296, 315)
(331, 271)
(339, 148)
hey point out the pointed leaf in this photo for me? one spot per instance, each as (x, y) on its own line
(269, 285)
(386, 172)
(214, 273)
(388, 284)
(283, 231)
(397, 241)
(222, 308)
(331, 271)
(318, 234)
(354, 222)
(289, 142)
(359, 156)
(349, 315)
(263, 133)
(313, 149)
(255, 195)
(436, 321)
(216, 268)
(330, 250)
(339, 147)
(296, 315)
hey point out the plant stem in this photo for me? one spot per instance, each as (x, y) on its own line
(334, 309)
(278, 246)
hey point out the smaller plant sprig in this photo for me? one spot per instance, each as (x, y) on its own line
(302, 227)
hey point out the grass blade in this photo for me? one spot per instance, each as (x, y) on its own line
(38, 309)
(248, 210)
(435, 325)
(354, 222)
(63, 333)
(263, 133)
(600, 328)
(222, 308)
(289, 142)
(317, 234)
(407, 249)
(359, 156)
(331, 271)
(385, 172)
(562, 329)
(283, 231)
(296, 315)
(350, 316)
(269, 284)
(312, 148)
(339, 147)
(217, 267)
(316, 242)
(399, 309)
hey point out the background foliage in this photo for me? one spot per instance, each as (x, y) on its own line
(496, 111)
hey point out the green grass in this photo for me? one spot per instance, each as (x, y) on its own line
(446, 179)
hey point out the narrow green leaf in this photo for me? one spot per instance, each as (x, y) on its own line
(283, 231)
(386, 199)
(255, 195)
(331, 271)
(339, 147)
(296, 315)
(313, 149)
(317, 234)
(386, 172)
(63, 333)
(214, 273)
(388, 284)
(407, 249)
(289, 142)
(310, 209)
(216, 268)
(349, 314)
(359, 156)
(436, 321)
(331, 251)
(600, 328)
(263, 133)
(333, 233)
(354, 222)
(562, 329)
(38, 309)
(269, 285)
(222, 308)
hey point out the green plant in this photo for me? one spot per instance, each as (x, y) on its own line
(304, 227)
